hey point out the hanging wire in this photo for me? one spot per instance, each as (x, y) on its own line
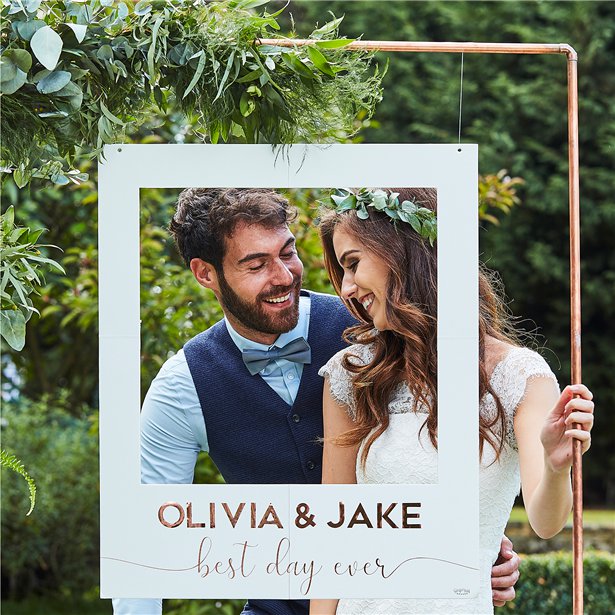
(460, 97)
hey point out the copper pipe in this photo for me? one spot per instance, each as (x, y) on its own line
(417, 46)
(575, 230)
(575, 332)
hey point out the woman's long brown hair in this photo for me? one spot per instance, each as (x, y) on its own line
(407, 350)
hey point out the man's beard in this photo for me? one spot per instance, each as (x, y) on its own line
(253, 315)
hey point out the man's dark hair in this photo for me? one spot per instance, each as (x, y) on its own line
(205, 217)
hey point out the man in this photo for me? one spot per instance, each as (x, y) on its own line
(251, 379)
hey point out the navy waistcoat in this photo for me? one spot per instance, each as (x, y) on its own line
(254, 436)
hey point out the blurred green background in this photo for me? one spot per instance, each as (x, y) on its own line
(514, 107)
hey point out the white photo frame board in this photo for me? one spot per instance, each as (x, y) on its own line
(140, 557)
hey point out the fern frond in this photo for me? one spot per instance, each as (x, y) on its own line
(11, 462)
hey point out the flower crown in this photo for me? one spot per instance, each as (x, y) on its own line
(421, 219)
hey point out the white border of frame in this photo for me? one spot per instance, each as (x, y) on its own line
(140, 557)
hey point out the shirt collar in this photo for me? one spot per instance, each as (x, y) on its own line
(300, 330)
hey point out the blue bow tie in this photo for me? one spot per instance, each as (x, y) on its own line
(297, 351)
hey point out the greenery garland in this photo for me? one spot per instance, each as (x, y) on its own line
(76, 75)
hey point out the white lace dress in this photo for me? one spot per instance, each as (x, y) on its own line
(401, 455)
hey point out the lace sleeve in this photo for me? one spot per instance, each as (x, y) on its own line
(510, 379)
(340, 380)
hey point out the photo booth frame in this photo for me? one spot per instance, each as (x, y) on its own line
(152, 538)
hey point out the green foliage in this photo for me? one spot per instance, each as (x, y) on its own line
(545, 585)
(11, 462)
(55, 345)
(21, 264)
(497, 193)
(57, 548)
(78, 75)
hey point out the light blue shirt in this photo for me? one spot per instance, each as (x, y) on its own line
(173, 430)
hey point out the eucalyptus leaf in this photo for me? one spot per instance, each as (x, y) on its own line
(21, 176)
(13, 328)
(362, 212)
(70, 89)
(105, 129)
(16, 7)
(143, 7)
(409, 207)
(391, 213)
(227, 72)
(32, 5)
(21, 58)
(151, 52)
(295, 64)
(77, 73)
(122, 10)
(344, 203)
(79, 30)
(53, 82)
(41, 74)
(415, 223)
(105, 53)
(336, 43)
(10, 87)
(380, 201)
(16, 234)
(248, 4)
(328, 28)
(47, 46)
(319, 61)
(109, 115)
(27, 29)
(246, 104)
(251, 76)
(48, 261)
(8, 68)
(34, 235)
(181, 53)
(59, 179)
(403, 215)
(73, 94)
(197, 74)
(8, 219)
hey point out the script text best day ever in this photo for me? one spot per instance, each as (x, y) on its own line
(282, 565)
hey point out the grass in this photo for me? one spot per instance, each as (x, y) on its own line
(590, 517)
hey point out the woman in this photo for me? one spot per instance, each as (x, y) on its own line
(380, 394)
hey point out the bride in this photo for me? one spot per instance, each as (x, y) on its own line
(380, 394)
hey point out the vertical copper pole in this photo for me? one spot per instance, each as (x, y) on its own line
(575, 327)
